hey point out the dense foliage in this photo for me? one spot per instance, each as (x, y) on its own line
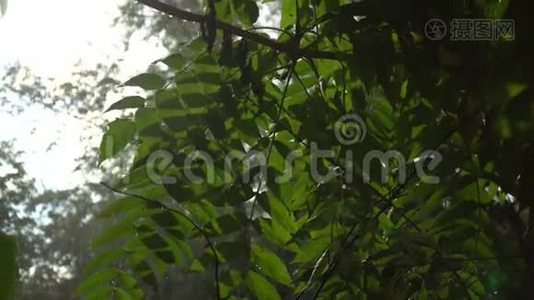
(234, 92)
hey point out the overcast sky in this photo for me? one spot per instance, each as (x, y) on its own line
(51, 37)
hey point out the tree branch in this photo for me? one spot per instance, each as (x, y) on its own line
(289, 48)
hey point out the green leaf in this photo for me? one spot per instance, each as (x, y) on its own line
(128, 102)
(96, 281)
(127, 281)
(147, 122)
(119, 134)
(147, 81)
(175, 61)
(120, 294)
(289, 14)
(494, 9)
(247, 11)
(326, 6)
(154, 241)
(404, 89)
(8, 266)
(312, 250)
(274, 232)
(513, 89)
(271, 264)
(230, 223)
(117, 206)
(100, 292)
(124, 227)
(261, 287)
(102, 260)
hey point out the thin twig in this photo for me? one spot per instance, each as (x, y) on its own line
(291, 68)
(351, 238)
(189, 219)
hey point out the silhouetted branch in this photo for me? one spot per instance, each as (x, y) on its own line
(291, 49)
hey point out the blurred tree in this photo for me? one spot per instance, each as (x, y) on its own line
(53, 228)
